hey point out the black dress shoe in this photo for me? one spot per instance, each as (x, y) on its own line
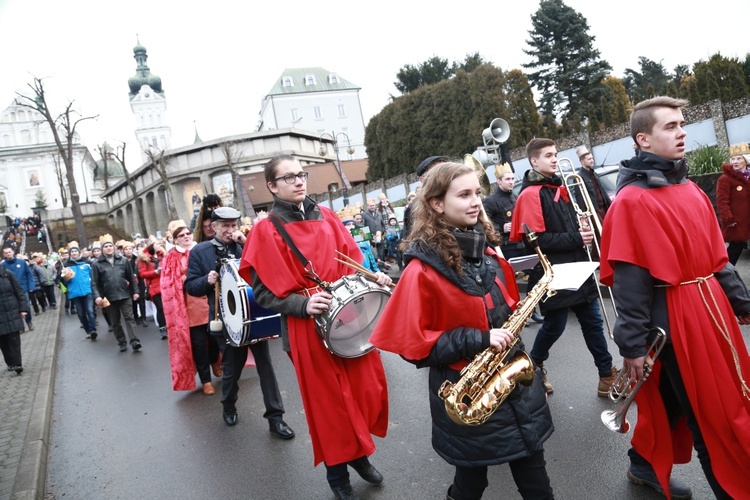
(282, 430)
(344, 492)
(537, 318)
(366, 471)
(230, 418)
(19, 369)
(136, 345)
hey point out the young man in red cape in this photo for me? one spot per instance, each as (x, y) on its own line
(664, 256)
(345, 399)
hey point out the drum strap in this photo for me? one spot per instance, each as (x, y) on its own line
(305, 263)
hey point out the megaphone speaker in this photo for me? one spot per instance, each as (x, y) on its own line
(498, 131)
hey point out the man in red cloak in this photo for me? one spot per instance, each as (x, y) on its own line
(663, 253)
(345, 399)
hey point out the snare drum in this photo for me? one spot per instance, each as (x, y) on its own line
(245, 322)
(351, 318)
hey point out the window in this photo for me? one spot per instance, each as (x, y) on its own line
(310, 80)
(295, 114)
(287, 81)
(316, 110)
(342, 110)
(333, 78)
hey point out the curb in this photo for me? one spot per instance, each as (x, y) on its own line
(31, 479)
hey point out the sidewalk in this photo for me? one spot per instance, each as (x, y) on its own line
(25, 411)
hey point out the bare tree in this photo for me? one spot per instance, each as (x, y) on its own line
(60, 179)
(160, 164)
(120, 156)
(65, 123)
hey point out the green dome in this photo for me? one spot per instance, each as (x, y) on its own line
(143, 75)
(114, 169)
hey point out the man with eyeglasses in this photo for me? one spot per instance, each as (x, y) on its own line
(202, 276)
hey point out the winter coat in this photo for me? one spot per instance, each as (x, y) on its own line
(733, 204)
(148, 264)
(47, 274)
(12, 303)
(80, 285)
(561, 240)
(114, 281)
(22, 272)
(499, 207)
(432, 299)
(373, 220)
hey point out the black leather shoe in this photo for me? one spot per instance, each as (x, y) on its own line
(19, 369)
(230, 418)
(344, 492)
(123, 347)
(93, 335)
(282, 430)
(136, 345)
(645, 475)
(366, 471)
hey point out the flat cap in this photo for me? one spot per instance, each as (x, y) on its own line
(225, 213)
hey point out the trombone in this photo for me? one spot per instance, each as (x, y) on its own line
(587, 217)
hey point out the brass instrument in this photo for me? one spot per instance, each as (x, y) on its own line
(489, 379)
(587, 217)
(484, 183)
(621, 392)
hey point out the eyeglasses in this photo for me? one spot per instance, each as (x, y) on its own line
(184, 234)
(292, 178)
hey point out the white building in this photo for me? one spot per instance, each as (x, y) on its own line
(319, 101)
(149, 106)
(30, 162)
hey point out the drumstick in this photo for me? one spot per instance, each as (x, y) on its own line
(357, 266)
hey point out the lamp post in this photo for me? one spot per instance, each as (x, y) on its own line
(349, 149)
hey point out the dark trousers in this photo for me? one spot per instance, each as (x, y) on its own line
(677, 404)
(33, 301)
(84, 306)
(10, 344)
(593, 334)
(205, 351)
(530, 475)
(734, 250)
(232, 363)
(49, 294)
(120, 313)
(156, 299)
(41, 297)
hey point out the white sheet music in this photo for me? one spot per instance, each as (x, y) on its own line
(572, 275)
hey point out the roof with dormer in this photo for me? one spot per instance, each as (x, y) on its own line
(322, 81)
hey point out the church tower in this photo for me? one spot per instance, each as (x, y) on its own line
(149, 107)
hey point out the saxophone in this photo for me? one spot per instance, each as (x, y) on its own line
(489, 379)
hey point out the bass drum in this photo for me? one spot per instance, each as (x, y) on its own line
(245, 322)
(351, 318)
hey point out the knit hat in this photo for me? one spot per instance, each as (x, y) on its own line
(74, 244)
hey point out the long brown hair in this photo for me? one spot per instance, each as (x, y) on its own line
(429, 228)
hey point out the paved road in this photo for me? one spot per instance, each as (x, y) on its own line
(119, 431)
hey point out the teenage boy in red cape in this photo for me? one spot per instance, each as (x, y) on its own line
(663, 253)
(345, 399)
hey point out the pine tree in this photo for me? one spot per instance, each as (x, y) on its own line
(521, 110)
(567, 68)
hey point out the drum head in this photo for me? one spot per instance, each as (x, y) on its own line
(350, 331)
(234, 304)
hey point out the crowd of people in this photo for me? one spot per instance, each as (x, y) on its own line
(662, 251)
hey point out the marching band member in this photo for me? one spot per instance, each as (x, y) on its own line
(449, 305)
(202, 276)
(345, 399)
(663, 253)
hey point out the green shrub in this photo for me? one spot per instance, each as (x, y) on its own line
(706, 160)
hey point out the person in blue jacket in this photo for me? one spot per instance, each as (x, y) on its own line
(79, 288)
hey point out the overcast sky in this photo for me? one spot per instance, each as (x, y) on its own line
(218, 59)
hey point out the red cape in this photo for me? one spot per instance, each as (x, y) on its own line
(672, 232)
(529, 210)
(173, 300)
(424, 305)
(345, 400)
